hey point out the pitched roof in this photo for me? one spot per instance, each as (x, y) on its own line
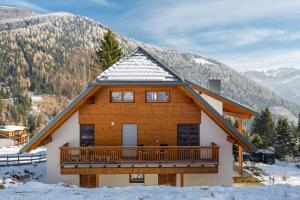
(138, 66)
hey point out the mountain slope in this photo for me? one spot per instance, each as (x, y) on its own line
(283, 81)
(52, 54)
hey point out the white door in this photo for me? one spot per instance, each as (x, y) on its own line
(129, 138)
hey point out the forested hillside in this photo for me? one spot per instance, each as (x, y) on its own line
(52, 54)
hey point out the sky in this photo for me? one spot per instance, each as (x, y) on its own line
(245, 34)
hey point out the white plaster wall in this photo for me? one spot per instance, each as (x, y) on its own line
(216, 104)
(6, 142)
(117, 180)
(68, 132)
(211, 132)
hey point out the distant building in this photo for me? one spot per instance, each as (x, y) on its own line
(13, 135)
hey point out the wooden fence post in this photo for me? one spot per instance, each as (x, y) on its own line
(31, 158)
(18, 159)
(7, 160)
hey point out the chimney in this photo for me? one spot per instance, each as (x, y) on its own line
(214, 85)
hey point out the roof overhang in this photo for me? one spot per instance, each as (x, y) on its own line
(230, 107)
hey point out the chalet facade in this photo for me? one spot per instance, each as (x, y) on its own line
(13, 135)
(140, 123)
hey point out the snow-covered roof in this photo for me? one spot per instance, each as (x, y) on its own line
(138, 66)
(12, 128)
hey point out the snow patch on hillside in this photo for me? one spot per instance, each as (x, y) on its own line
(35, 99)
(203, 61)
(284, 113)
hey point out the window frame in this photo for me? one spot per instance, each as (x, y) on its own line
(188, 134)
(80, 139)
(137, 181)
(122, 93)
(157, 92)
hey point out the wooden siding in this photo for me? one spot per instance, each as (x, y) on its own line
(157, 122)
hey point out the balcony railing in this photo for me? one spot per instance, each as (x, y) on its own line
(140, 155)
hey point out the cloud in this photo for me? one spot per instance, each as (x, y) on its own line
(101, 2)
(262, 59)
(226, 29)
(23, 3)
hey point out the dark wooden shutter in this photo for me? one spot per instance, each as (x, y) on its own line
(88, 180)
(167, 179)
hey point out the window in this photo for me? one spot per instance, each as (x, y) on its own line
(136, 178)
(188, 134)
(122, 96)
(87, 135)
(157, 96)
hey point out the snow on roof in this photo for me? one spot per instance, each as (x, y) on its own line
(12, 128)
(138, 66)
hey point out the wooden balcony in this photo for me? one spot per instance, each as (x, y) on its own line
(119, 155)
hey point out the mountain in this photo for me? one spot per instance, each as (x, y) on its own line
(51, 55)
(283, 81)
(8, 14)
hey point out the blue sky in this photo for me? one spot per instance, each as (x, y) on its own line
(241, 33)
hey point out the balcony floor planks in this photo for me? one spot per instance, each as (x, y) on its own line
(136, 170)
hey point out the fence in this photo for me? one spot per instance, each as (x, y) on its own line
(22, 159)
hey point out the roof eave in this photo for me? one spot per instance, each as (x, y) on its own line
(253, 112)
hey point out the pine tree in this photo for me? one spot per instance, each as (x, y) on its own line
(286, 143)
(298, 126)
(264, 126)
(109, 51)
(256, 140)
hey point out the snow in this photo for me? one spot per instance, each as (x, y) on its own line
(12, 128)
(203, 61)
(279, 173)
(36, 190)
(32, 172)
(35, 100)
(15, 149)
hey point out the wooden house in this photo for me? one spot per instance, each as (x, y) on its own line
(14, 135)
(140, 123)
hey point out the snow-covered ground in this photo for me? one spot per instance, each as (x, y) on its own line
(15, 149)
(280, 173)
(36, 190)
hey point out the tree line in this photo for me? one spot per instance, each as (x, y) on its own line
(281, 136)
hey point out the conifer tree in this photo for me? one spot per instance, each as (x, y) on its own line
(264, 126)
(285, 143)
(298, 126)
(109, 51)
(256, 140)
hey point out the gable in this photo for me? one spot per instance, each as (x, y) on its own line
(138, 66)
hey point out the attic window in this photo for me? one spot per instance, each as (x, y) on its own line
(122, 96)
(157, 96)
